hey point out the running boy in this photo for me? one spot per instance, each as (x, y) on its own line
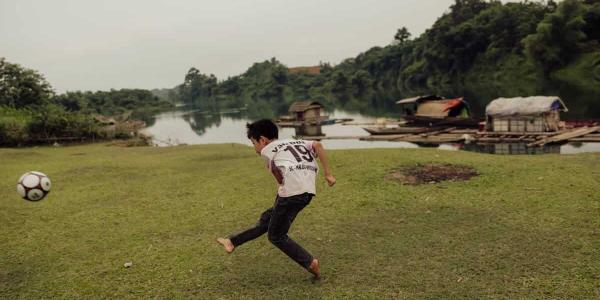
(293, 163)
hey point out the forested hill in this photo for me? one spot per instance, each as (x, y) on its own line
(478, 49)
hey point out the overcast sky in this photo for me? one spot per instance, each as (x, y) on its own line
(98, 45)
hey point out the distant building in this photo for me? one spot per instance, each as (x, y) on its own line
(314, 70)
(524, 114)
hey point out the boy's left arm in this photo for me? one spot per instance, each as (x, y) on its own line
(320, 151)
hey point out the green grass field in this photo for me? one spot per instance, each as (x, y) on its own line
(527, 228)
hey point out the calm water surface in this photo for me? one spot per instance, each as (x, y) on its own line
(189, 127)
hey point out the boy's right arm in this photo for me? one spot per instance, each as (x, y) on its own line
(318, 147)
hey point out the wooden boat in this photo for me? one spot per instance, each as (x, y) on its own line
(328, 122)
(323, 120)
(400, 130)
(447, 121)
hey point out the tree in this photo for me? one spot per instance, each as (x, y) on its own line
(558, 36)
(361, 82)
(21, 87)
(402, 35)
(474, 39)
(592, 21)
(198, 89)
(73, 101)
(340, 83)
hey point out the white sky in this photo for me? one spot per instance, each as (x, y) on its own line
(98, 45)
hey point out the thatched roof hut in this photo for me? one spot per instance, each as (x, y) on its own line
(305, 110)
(530, 114)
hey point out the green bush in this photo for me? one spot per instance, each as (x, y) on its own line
(13, 125)
(23, 126)
(53, 121)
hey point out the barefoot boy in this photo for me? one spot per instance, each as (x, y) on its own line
(294, 165)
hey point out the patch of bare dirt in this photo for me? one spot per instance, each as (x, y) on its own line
(432, 173)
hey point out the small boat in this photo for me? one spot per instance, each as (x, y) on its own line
(400, 130)
(329, 122)
(449, 121)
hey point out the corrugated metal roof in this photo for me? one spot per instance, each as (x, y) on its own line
(302, 106)
(524, 106)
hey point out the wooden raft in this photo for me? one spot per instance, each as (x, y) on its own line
(453, 135)
(578, 132)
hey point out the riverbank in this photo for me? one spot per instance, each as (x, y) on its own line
(525, 227)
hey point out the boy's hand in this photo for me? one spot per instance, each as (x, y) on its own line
(323, 158)
(330, 180)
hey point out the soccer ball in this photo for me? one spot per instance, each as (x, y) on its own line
(33, 186)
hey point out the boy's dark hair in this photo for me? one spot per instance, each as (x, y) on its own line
(264, 127)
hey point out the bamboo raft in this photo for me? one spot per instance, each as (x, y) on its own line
(398, 130)
(453, 135)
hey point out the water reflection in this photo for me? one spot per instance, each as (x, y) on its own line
(309, 130)
(522, 149)
(197, 127)
(511, 149)
(201, 121)
(184, 127)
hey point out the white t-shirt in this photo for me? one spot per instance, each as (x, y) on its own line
(294, 165)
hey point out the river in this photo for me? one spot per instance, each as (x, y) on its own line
(195, 127)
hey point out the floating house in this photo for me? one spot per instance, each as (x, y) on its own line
(410, 105)
(424, 114)
(435, 110)
(524, 114)
(304, 113)
(306, 110)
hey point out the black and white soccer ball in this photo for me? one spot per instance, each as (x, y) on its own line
(33, 186)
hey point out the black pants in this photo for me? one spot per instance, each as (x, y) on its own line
(277, 221)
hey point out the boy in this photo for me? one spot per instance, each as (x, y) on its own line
(293, 163)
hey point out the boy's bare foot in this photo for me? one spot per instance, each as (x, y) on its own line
(315, 269)
(227, 244)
